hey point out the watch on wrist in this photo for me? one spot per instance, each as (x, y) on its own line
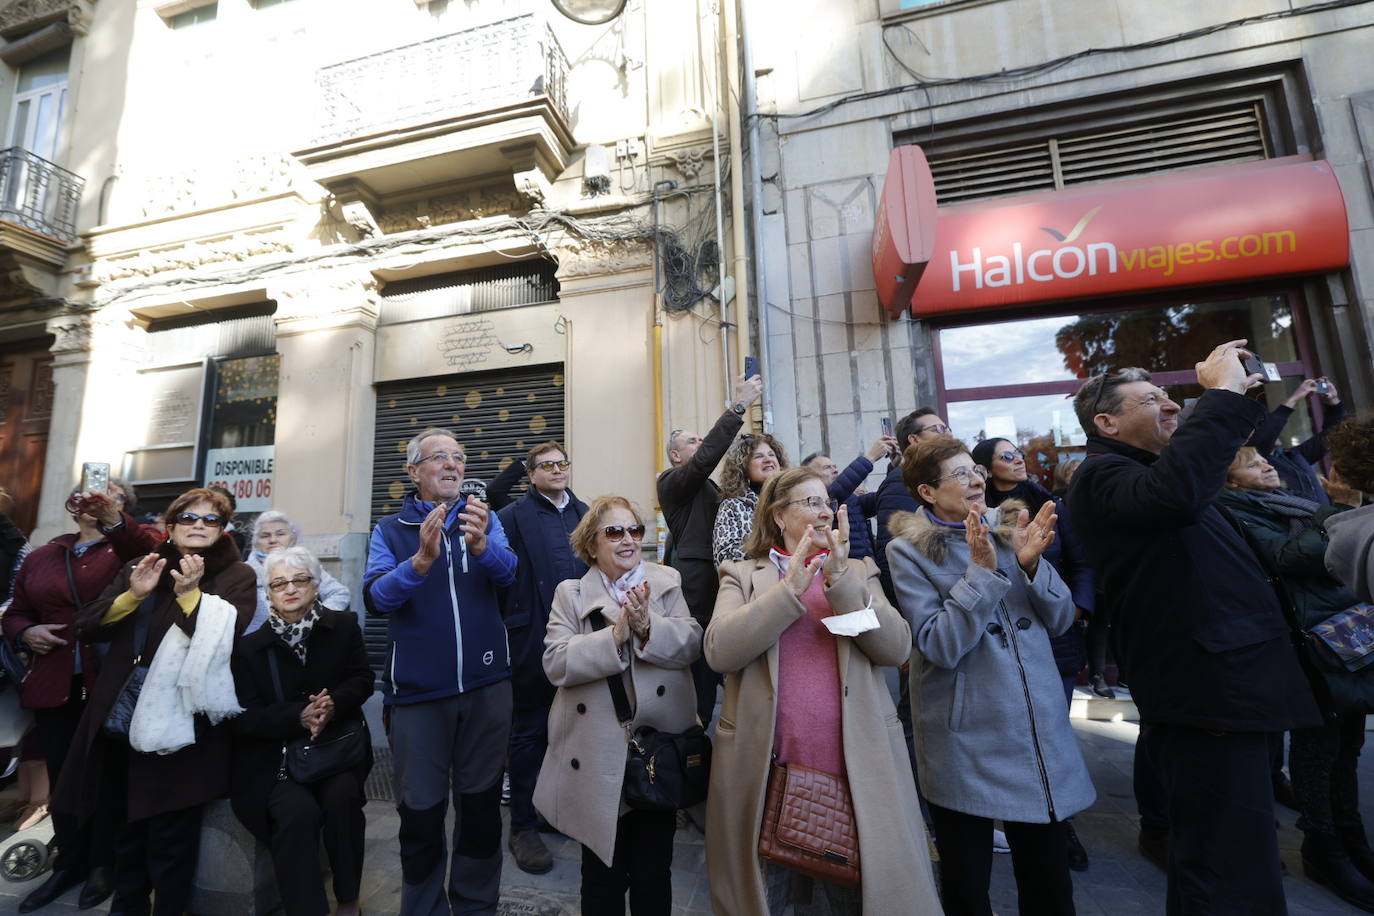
(739, 408)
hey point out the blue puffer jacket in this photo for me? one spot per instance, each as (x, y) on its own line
(445, 635)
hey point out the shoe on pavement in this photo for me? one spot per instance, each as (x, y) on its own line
(1078, 856)
(999, 842)
(58, 883)
(99, 886)
(531, 855)
(1098, 684)
(1325, 861)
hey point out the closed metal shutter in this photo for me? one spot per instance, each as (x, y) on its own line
(498, 416)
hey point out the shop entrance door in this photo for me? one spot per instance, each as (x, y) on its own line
(26, 396)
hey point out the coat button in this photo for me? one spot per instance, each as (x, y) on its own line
(575, 764)
(661, 690)
(582, 708)
(995, 629)
(1023, 623)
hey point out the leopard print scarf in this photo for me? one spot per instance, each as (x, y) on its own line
(294, 635)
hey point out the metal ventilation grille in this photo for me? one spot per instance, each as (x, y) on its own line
(486, 289)
(1143, 145)
(225, 334)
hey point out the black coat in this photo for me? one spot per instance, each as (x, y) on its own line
(892, 496)
(537, 533)
(335, 658)
(1198, 627)
(843, 487)
(689, 500)
(157, 783)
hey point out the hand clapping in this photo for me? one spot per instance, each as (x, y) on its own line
(635, 611)
(979, 543)
(1033, 536)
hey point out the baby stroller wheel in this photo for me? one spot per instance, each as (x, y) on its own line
(24, 860)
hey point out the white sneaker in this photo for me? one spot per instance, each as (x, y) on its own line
(999, 841)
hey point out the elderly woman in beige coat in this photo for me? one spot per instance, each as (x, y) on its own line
(625, 619)
(799, 695)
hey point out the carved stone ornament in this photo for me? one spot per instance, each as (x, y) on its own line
(209, 184)
(592, 257)
(240, 247)
(23, 16)
(689, 160)
(458, 207)
(71, 333)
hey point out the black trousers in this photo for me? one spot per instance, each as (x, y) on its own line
(643, 865)
(298, 816)
(1039, 859)
(1223, 849)
(1322, 763)
(529, 739)
(157, 855)
(80, 847)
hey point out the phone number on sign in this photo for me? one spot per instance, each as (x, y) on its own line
(246, 488)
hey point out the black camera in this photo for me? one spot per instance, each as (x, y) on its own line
(1268, 372)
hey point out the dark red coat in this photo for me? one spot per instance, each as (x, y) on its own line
(43, 594)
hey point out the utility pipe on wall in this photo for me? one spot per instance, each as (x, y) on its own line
(760, 279)
(737, 221)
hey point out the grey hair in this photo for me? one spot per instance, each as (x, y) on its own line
(413, 446)
(1110, 399)
(672, 444)
(275, 515)
(298, 557)
(130, 494)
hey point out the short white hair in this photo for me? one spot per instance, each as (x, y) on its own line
(297, 557)
(413, 446)
(271, 516)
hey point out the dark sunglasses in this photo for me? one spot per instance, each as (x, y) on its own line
(190, 518)
(1009, 457)
(618, 532)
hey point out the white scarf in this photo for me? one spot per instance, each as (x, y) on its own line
(620, 588)
(188, 675)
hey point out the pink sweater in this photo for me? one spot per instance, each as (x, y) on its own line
(808, 728)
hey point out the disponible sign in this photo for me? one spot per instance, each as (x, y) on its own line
(244, 472)
(1225, 224)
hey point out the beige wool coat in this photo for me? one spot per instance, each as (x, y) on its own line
(752, 611)
(579, 787)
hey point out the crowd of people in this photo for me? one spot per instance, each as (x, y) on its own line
(530, 638)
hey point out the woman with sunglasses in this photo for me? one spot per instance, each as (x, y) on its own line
(625, 619)
(796, 695)
(307, 668)
(993, 739)
(750, 461)
(187, 602)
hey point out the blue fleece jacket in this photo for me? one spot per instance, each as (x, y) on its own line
(445, 634)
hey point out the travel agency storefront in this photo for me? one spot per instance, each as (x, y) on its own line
(1028, 296)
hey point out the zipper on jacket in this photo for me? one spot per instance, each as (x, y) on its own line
(1030, 710)
(453, 603)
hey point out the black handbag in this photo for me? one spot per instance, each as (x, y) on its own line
(12, 664)
(340, 747)
(121, 715)
(664, 771)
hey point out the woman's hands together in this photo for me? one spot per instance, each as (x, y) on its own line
(837, 564)
(317, 713)
(1032, 537)
(800, 572)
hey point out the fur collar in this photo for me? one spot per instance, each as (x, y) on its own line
(933, 540)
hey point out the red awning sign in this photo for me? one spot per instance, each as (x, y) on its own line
(904, 235)
(1272, 218)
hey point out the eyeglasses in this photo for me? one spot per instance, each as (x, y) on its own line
(618, 532)
(279, 585)
(964, 475)
(443, 458)
(816, 503)
(1101, 389)
(938, 428)
(190, 518)
(550, 465)
(1010, 456)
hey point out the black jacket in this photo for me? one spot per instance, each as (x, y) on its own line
(1198, 627)
(335, 659)
(689, 499)
(860, 537)
(538, 534)
(892, 496)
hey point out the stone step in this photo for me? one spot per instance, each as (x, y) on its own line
(1088, 705)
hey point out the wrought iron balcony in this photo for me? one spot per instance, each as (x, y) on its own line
(38, 195)
(487, 67)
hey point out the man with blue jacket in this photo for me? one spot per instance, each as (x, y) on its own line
(434, 568)
(539, 525)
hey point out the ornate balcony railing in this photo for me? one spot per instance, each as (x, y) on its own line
(501, 63)
(38, 195)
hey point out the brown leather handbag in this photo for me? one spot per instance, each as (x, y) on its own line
(809, 825)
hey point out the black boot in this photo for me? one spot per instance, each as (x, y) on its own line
(99, 886)
(1357, 847)
(1324, 861)
(58, 883)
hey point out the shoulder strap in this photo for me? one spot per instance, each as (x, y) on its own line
(143, 619)
(276, 673)
(615, 682)
(71, 582)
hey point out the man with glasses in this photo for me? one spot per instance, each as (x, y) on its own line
(433, 569)
(539, 526)
(689, 498)
(892, 495)
(1199, 629)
